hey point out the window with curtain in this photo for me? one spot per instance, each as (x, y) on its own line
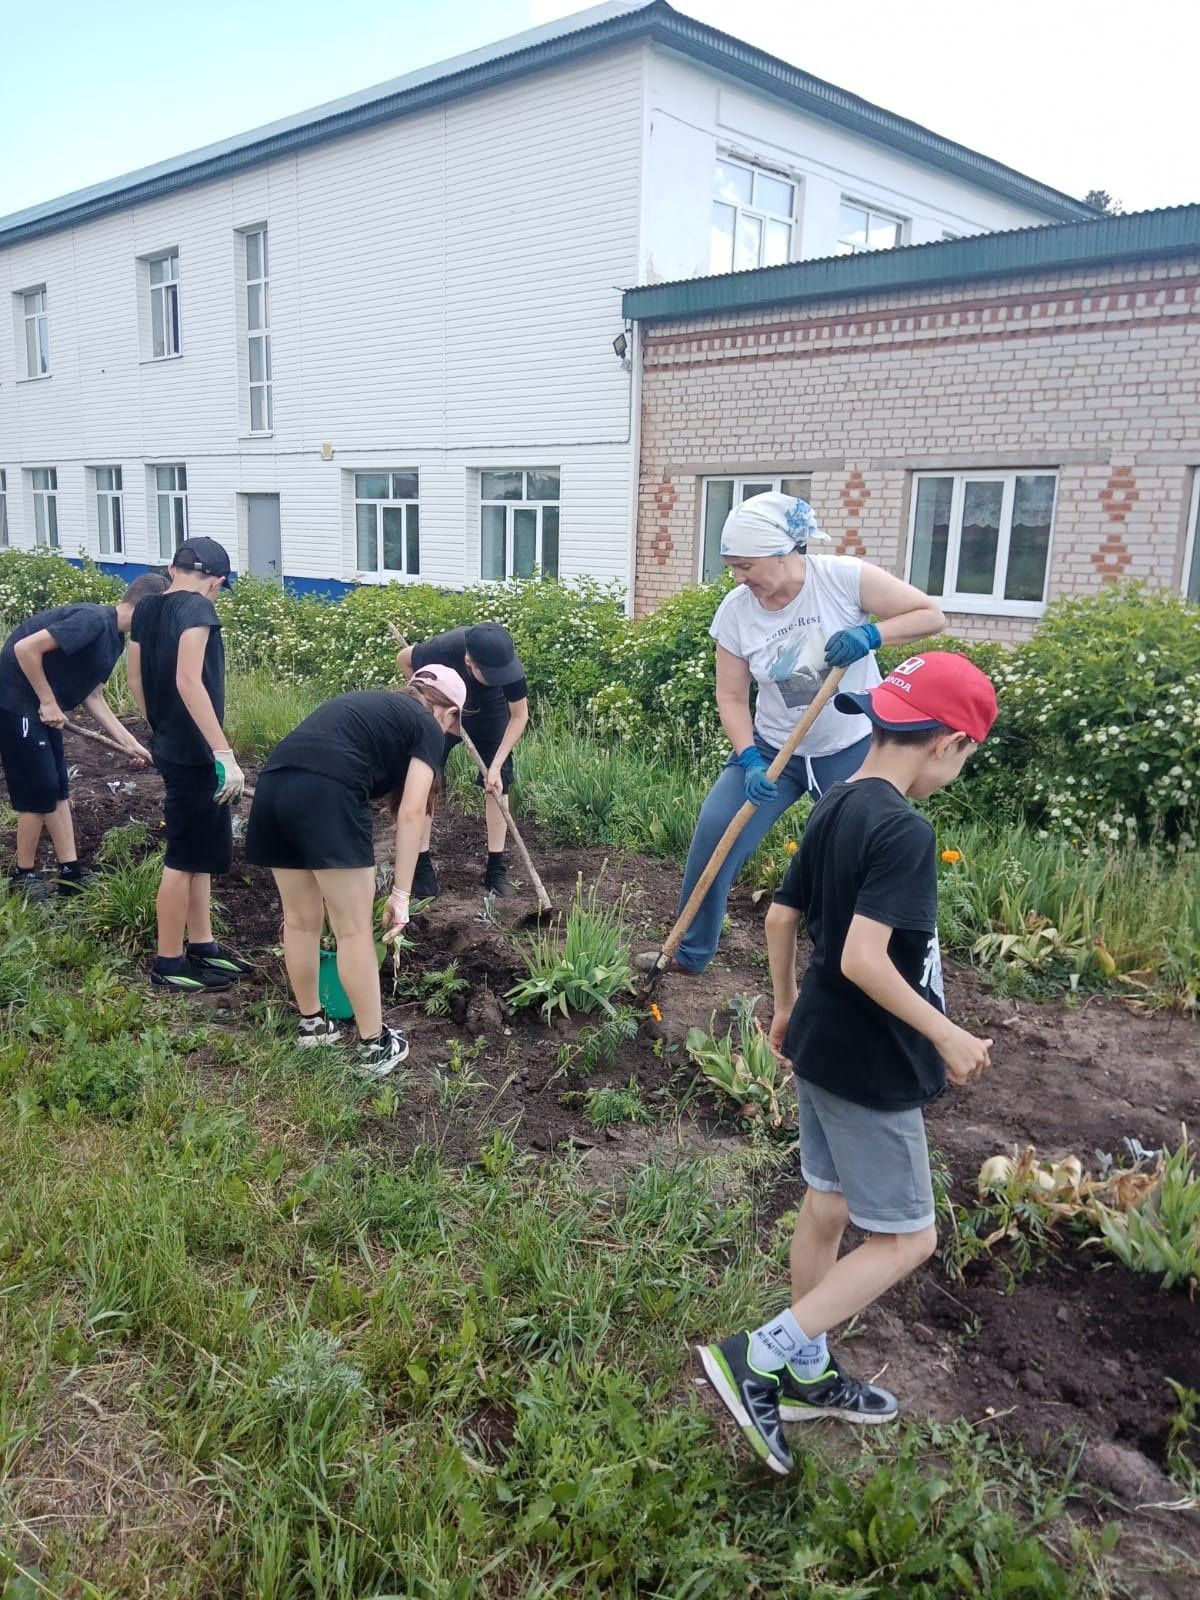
(980, 541)
(518, 522)
(718, 500)
(387, 523)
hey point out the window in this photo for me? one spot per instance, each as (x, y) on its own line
(861, 228)
(1191, 549)
(37, 333)
(164, 305)
(519, 523)
(258, 329)
(387, 523)
(3, 509)
(170, 493)
(110, 511)
(752, 218)
(720, 497)
(980, 541)
(44, 481)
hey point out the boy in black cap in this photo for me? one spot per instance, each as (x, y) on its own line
(50, 664)
(177, 675)
(494, 718)
(870, 1043)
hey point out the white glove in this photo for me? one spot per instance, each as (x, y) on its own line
(231, 780)
(397, 911)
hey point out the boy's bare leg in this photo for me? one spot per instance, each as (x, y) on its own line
(816, 1240)
(60, 825)
(171, 906)
(199, 908)
(29, 831)
(858, 1279)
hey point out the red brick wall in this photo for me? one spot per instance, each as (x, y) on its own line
(1096, 375)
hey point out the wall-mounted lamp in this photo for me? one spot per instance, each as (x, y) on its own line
(621, 346)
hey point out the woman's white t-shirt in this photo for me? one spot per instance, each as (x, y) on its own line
(785, 651)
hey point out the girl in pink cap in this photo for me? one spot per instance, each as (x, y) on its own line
(311, 824)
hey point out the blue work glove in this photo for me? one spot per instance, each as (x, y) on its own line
(848, 645)
(759, 787)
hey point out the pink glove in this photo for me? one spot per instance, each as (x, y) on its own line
(397, 912)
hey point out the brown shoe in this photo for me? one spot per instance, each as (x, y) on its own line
(647, 960)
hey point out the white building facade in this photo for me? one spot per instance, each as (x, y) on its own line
(375, 342)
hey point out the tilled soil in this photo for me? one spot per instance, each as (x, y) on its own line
(1073, 1354)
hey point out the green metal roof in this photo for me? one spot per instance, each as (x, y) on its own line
(551, 45)
(1175, 231)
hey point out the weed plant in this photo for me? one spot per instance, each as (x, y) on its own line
(583, 966)
(606, 1107)
(743, 1069)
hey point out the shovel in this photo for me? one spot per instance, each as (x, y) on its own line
(543, 899)
(727, 840)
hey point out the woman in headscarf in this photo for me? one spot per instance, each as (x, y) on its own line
(792, 618)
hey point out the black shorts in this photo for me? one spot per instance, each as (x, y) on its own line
(35, 765)
(307, 821)
(199, 831)
(486, 737)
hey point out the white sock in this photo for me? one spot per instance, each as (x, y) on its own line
(783, 1342)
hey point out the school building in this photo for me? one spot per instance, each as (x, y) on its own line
(1002, 419)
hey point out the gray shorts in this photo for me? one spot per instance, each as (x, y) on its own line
(878, 1159)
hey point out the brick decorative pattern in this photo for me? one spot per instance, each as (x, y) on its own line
(1091, 374)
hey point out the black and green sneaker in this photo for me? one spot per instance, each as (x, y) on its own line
(751, 1397)
(834, 1394)
(222, 962)
(188, 977)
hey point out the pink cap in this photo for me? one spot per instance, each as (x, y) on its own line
(448, 682)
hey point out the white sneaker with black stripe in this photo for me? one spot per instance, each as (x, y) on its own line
(376, 1058)
(317, 1030)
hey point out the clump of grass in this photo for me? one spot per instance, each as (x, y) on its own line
(21, 961)
(582, 967)
(606, 1107)
(260, 710)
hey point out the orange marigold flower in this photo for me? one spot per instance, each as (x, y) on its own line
(656, 1011)
(952, 855)
(791, 847)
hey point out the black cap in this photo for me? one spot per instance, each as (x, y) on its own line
(493, 652)
(202, 555)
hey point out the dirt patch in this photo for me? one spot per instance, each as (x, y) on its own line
(1074, 1352)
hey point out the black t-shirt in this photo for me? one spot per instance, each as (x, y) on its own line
(158, 625)
(865, 852)
(364, 740)
(487, 704)
(89, 647)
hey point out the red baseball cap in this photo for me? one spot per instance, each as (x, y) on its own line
(937, 689)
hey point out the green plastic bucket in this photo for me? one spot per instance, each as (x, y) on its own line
(329, 988)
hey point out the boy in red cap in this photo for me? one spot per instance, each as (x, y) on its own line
(870, 1043)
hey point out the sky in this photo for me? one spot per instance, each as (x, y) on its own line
(1080, 94)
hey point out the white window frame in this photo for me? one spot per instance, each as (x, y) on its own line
(843, 247)
(410, 507)
(760, 213)
(166, 295)
(1191, 544)
(740, 481)
(172, 497)
(36, 328)
(110, 503)
(995, 604)
(45, 508)
(4, 533)
(525, 503)
(258, 333)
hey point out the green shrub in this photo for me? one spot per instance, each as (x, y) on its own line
(1162, 1235)
(34, 580)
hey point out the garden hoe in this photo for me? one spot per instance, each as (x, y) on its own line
(726, 842)
(111, 744)
(544, 904)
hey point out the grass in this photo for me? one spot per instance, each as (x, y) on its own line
(246, 1352)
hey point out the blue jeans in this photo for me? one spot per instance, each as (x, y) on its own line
(802, 775)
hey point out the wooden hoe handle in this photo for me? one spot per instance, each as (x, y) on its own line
(741, 817)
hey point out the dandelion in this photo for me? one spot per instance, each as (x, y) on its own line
(952, 856)
(791, 847)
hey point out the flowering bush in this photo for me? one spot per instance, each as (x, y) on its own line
(34, 580)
